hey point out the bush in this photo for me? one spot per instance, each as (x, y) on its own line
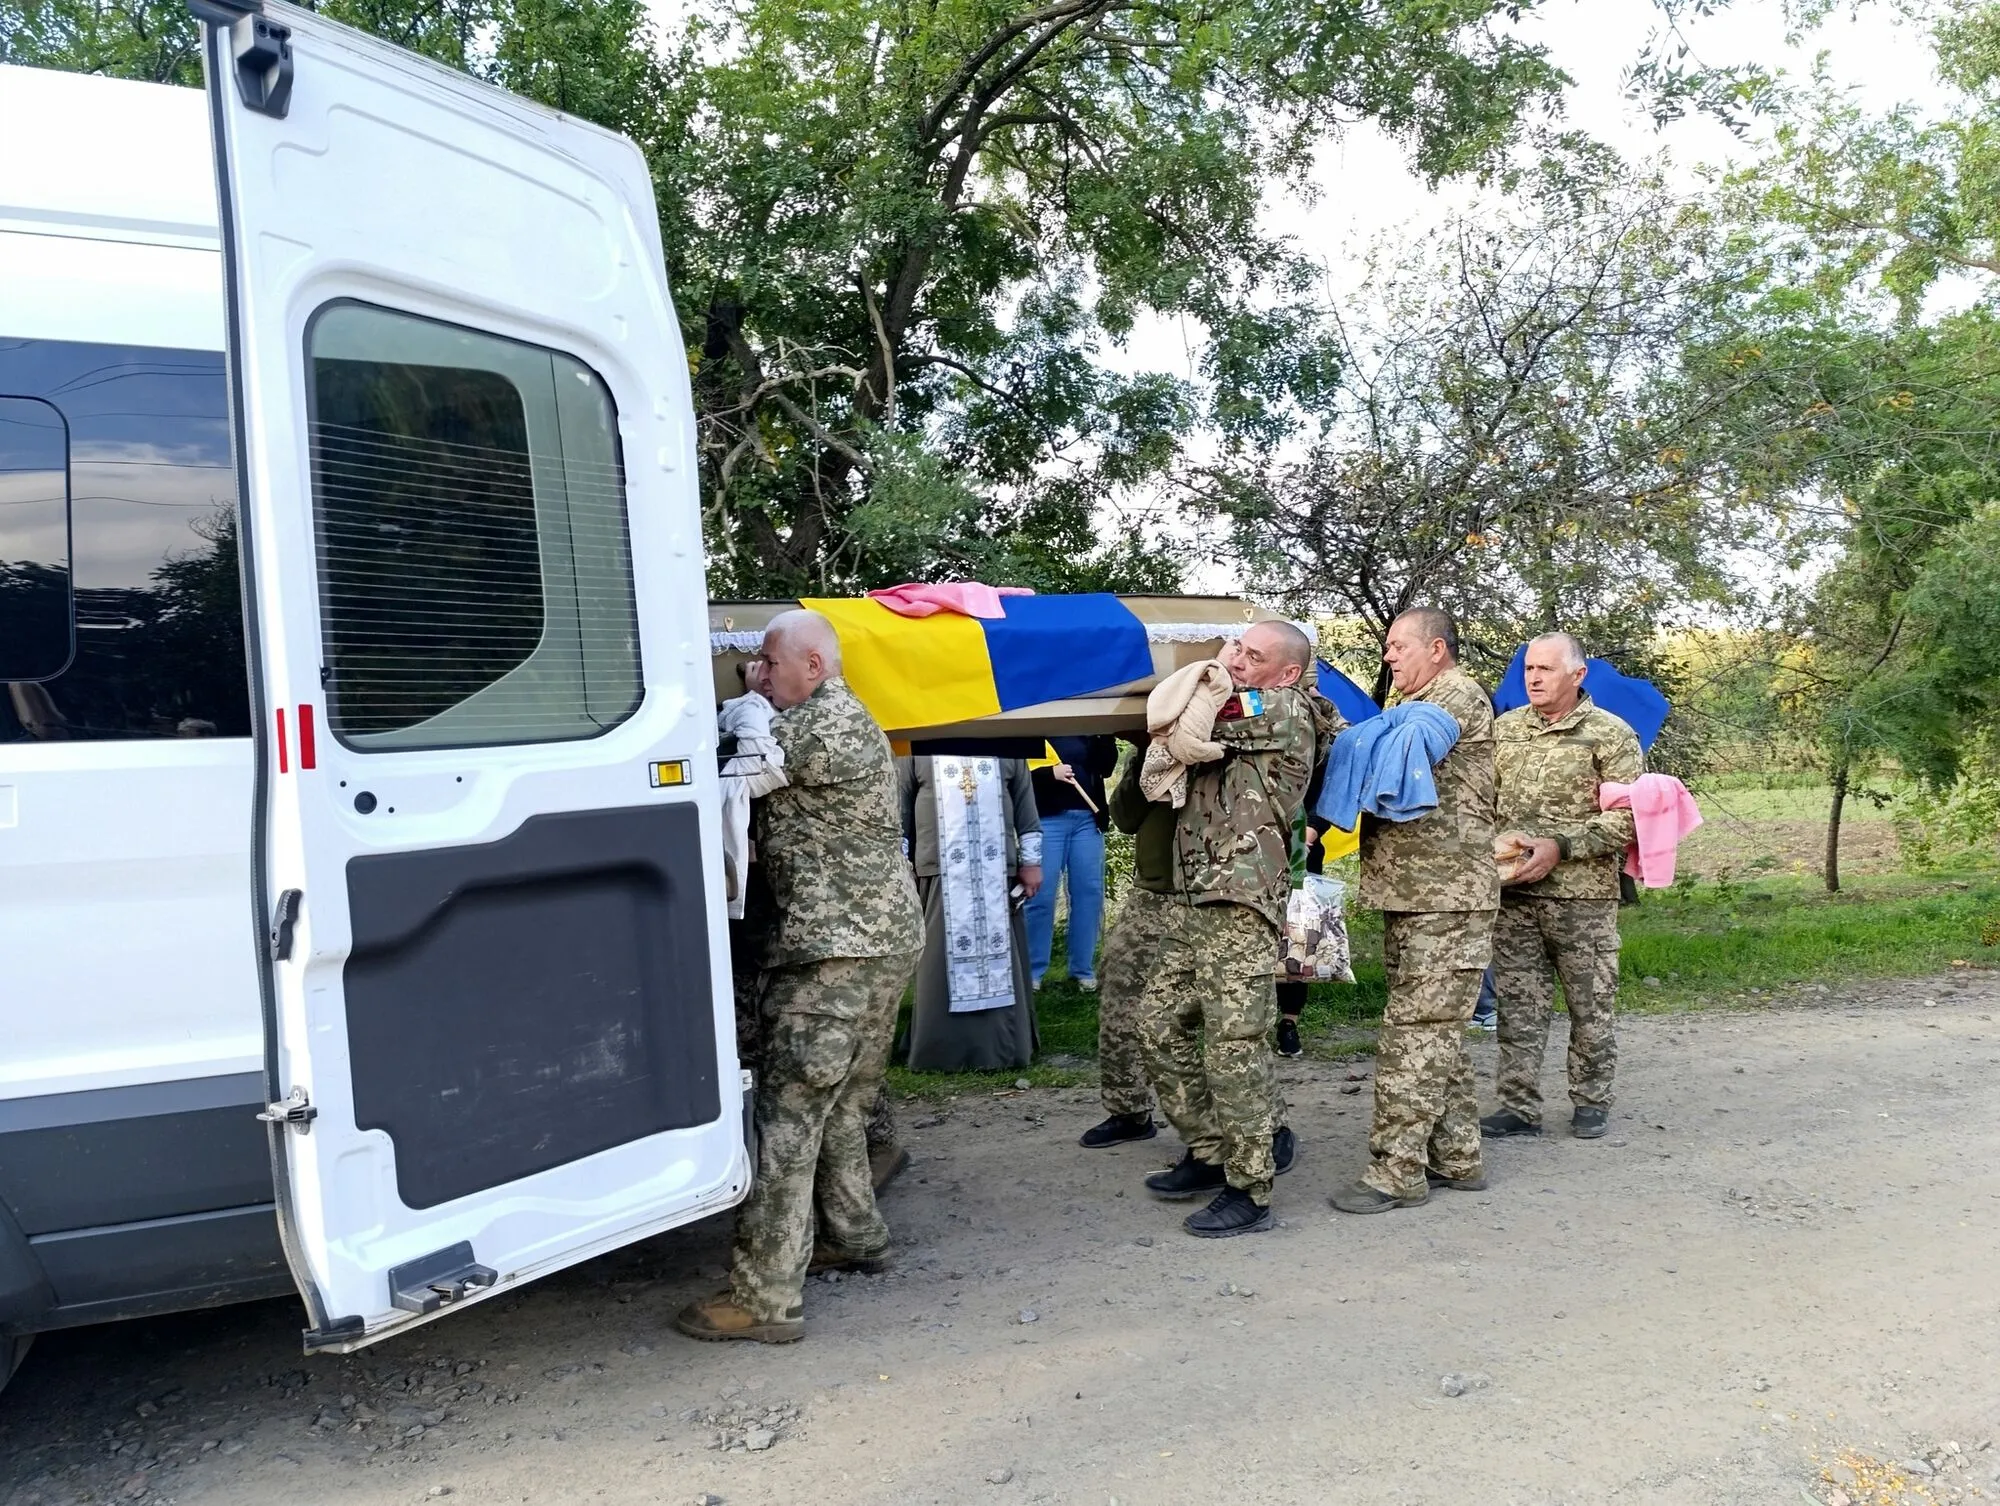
(1934, 826)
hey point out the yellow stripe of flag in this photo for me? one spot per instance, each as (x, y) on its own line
(912, 671)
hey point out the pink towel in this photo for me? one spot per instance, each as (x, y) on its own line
(1663, 812)
(966, 597)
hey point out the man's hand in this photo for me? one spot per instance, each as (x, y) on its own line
(1543, 855)
(1031, 879)
(1064, 772)
(1313, 834)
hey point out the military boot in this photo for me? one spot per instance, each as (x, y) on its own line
(1361, 1198)
(1474, 1183)
(1507, 1123)
(1589, 1122)
(885, 1164)
(1185, 1178)
(1231, 1213)
(719, 1317)
(827, 1258)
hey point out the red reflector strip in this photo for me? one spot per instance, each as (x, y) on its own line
(308, 758)
(284, 750)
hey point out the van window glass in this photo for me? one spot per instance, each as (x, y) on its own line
(36, 639)
(475, 571)
(158, 611)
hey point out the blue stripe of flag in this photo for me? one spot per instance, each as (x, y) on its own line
(1050, 647)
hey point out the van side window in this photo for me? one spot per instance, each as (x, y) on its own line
(474, 565)
(152, 548)
(36, 634)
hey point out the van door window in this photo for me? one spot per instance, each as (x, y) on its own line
(475, 571)
(37, 632)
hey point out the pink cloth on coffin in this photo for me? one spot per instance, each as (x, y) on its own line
(966, 597)
(1663, 813)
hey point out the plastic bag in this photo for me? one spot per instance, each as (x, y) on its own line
(1313, 947)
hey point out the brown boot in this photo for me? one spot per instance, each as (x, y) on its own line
(827, 1258)
(885, 1164)
(719, 1317)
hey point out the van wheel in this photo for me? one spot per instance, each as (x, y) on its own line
(13, 1350)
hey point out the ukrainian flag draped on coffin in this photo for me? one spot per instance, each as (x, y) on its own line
(945, 668)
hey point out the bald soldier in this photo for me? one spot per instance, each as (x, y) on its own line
(834, 926)
(1559, 914)
(1436, 885)
(1211, 998)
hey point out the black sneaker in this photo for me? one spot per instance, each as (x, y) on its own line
(1285, 1149)
(1184, 1179)
(1505, 1123)
(1589, 1122)
(1288, 1037)
(1119, 1129)
(1231, 1213)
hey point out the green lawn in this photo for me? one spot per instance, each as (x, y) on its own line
(1708, 945)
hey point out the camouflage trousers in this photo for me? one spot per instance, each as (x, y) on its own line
(1131, 947)
(1207, 1005)
(1536, 942)
(825, 1028)
(1426, 1102)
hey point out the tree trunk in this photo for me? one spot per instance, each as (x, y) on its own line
(1833, 829)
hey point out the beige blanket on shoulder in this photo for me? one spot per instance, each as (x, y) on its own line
(1180, 713)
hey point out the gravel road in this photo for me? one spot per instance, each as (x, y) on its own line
(1777, 1280)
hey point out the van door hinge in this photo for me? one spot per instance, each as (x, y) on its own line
(431, 1281)
(296, 1110)
(263, 52)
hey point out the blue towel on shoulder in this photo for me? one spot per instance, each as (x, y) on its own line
(1382, 767)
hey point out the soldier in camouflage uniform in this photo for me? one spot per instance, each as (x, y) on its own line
(1131, 951)
(834, 920)
(1211, 998)
(1435, 881)
(1559, 915)
(1130, 945)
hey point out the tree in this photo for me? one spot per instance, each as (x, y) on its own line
(908, 242)
(906, 238)
(1512, 437)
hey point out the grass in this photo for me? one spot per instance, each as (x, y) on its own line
(1707, 945)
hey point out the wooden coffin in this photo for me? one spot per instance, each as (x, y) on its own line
(1118, 709)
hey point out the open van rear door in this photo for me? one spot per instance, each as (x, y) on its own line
(497, 1009)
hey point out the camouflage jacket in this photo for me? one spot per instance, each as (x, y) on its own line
(1548, 774)
(1442, 861)
(829, 845)
(1232, 840)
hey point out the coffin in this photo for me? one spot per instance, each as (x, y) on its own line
(1178, 631)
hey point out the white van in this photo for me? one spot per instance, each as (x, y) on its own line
(356, 739)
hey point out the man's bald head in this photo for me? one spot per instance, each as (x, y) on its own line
(1268, 655)
(801, 652)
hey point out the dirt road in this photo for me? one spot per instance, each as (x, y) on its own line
(1778, 1279)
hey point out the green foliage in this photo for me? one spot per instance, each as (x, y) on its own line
(158, 41)
(890, 227)
(1937, 825)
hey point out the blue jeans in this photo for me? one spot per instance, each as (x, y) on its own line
(1072, 845)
